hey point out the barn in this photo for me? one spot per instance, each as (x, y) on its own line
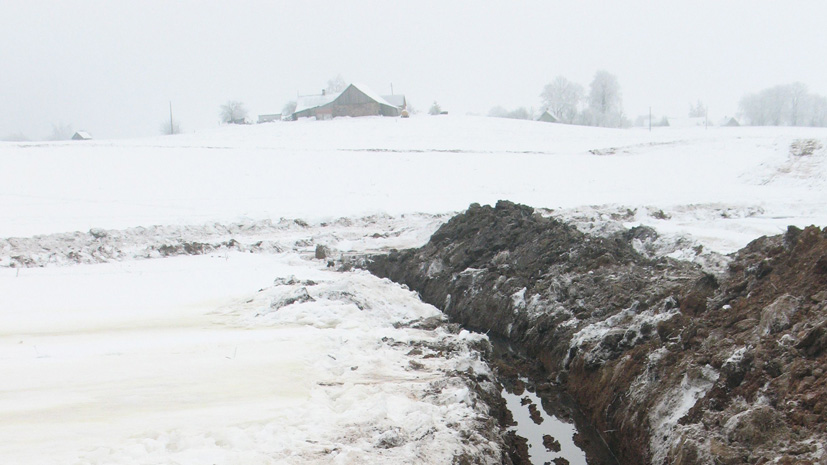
(355, 100)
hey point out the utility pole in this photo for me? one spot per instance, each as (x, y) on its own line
(391, 88)
(171, 127)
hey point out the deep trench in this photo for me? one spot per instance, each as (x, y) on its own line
(543, 414)
(663, 361)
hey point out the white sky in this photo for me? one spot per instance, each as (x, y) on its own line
(112, 67)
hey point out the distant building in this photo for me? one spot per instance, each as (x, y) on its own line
(547, 117)
(732, 123)
(397, 100)
(687, 122)
(269, 118)
(355, 100)
(82, 135)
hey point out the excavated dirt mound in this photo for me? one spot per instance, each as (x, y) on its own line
(673, 365)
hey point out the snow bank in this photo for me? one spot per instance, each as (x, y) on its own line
(181, 360)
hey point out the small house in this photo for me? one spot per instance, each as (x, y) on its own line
(82, 135)
(547, 117)
(687, 122)
(397, 100)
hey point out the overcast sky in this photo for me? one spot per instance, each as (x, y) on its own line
(112, 67)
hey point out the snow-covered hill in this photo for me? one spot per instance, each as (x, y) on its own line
(115, 349)
(356, 167)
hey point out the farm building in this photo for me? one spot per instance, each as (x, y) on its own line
(355, 100)
(731, 122)
(397, 100)
(82, 135)
(547, 117)
(686, 122)
(269, 118)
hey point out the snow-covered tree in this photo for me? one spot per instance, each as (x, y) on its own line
(818, 111)
(698, 110)
(799, 103)
(435, 109)
(61, 131)
(336, 85)
(785, 105)
(562, 98)
(605, 100)
(233, 112)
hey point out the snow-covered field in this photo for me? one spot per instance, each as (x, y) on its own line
(116, 347)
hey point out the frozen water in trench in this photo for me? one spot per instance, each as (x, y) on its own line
(533, 427)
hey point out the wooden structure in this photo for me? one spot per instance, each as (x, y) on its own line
(82, 135)
(269, 118)
(397, 100)
(355, 100)
(547, 117)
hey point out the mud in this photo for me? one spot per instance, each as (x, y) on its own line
(668, 364)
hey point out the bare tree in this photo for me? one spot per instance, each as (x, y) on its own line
(336, 85)
(605, 100)
(233, 112)
(562, 98)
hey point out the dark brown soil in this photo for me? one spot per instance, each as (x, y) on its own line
(630, 339)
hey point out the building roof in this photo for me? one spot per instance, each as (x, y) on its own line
(371, 94)
(547, 116)
(313, 101)
(306, 102)
(82, 135)
(395, 100)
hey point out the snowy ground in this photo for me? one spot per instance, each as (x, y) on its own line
(362, 166)
(208, 359)
(118, 347)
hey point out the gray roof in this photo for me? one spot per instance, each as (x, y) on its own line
(312, 101)
(395, 100)
(82, 135)
(306, 102)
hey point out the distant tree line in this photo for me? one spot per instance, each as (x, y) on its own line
(569, 103)
(519, 113)
(784, 105)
